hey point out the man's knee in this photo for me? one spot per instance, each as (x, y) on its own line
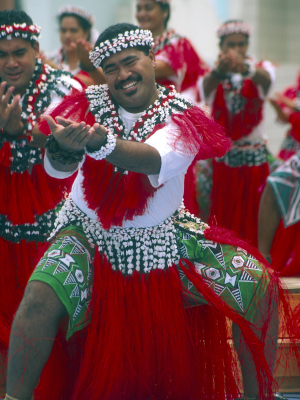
(39, 301)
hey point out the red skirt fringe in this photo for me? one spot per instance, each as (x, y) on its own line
(236, 195)
(285, 250)
(142, 343)
(25, 195)
(17, 262)
(285, 154)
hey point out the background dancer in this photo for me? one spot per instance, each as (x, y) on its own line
(75, 24)
(178, 64)
(28, 197)
(278, 224)
(236, 90)
(287, 107)
(177, 61)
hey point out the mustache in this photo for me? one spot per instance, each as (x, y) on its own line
(136, 78)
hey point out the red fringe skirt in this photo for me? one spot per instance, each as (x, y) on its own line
(17, 262)
(285, 251)
(236, 193)
(143, 343)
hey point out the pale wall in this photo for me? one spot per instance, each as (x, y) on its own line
(275, 31)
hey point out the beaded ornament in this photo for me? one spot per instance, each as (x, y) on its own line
(23, 31)
(234, 27)
(133, 249)
(106, 112)
(105, 150)
(72, 10)
(138, 37)
(36, 99)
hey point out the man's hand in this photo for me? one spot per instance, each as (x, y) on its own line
(15, 126)
(8, 110)
(72, 136)
(69, 135)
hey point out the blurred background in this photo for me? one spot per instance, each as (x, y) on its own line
(275, 31)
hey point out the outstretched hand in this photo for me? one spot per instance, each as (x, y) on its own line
(231, 61)
(280, 98)
(8, 111)
(275, 101)
(72, 136)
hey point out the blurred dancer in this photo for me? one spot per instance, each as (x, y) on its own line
(279, 218)
(74, 24)
(287, 107)
(177, 61)
(236, 90)
(29, 197)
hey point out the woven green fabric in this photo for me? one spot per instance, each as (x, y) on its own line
(233, 274)
(67, 268)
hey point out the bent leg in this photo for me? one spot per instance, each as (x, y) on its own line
(265, 324)
(244, 285)
(32, 336)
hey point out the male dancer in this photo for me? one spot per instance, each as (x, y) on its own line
(127, 266)
(28, 196)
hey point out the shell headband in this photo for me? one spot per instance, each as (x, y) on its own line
(234, 27)
(138, 37)
(71, 10)
(23, 31)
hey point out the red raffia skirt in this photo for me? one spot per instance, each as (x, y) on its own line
(143, 344)
(285, 251)
(17, 262)
(236, 190)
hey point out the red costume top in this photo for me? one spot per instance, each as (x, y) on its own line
(178, 52)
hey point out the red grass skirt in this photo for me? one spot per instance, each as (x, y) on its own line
(17, 262)
(142, 343)
(236, 195)
(285, 251)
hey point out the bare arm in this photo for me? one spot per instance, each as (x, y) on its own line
(262, 78)
(268, 221)
(163, 70)
(132, 156)
(281, 115)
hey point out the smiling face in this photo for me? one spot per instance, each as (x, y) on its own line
(17, 62)
(237, 42)
(131, 80)
(150, 16)
(70, 31)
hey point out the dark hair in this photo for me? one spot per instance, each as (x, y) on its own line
(10, 17)
(228, 22)
(112, 32)
(165, 7)
(82, 22)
